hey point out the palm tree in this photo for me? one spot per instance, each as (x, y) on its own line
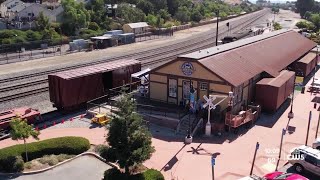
(21, 130)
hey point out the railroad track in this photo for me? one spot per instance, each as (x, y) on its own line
(157, 55)
(23, 85)
(23, 94)
(194, 40)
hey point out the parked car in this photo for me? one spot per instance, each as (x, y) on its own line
(284, 176)
(316, 144)
(305, 158)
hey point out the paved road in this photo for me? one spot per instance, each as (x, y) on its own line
(289, 168)
(82, 168)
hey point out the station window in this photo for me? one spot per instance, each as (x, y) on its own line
(203, 86)
(173, 88)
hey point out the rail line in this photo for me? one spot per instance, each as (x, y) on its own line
(147, 57)
(23, 85)
(24, 94)
(194, 40)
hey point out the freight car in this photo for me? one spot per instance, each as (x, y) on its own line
(280, 87)
(31, 115)
(73, 88)
(236, 36)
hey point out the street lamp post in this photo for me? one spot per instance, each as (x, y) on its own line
(291, 114)
(217, 30)
(317, 130)
(310, 114)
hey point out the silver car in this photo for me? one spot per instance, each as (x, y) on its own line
(305, 158)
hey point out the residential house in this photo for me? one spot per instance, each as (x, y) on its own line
(10, 8)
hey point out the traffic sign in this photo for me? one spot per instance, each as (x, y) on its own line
(213, 161)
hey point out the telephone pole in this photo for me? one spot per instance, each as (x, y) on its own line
(217, 30)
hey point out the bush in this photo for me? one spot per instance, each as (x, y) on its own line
(152, 174)
(106, 152)
(114, 174)
(12, 164)
(62, 145)
(93, 26)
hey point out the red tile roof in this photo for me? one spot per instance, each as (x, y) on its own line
(269, 55)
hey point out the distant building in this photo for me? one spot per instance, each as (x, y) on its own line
(10, 8)
(136, 28)
(33, 11)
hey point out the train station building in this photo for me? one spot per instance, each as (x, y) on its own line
(235, 67)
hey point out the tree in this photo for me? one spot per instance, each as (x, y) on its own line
(196, 16)
(75, 16)
(146, 6)
(129, 140)
(303, 6)
(20, 130)
(130, 14)
(277, 26)
(42, 22)
(315, 19)
(305, 25)
(183, 14)
(98, 13)
(152, 20)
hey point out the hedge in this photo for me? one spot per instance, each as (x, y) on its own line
(62, 145)
(150, 174)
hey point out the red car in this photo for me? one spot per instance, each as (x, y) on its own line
(284, 176)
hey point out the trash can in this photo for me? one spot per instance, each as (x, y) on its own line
(303, 89)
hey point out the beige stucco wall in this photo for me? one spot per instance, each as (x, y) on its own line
(199, 72)
(158, 78)
(158, 91)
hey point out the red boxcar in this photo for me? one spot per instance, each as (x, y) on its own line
(271, 93)
(31, 115)
(73, 88)
(306, 64)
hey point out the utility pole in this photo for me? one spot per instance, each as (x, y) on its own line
(317, 130)
(310, 114)
(281, 142)
(217, 30)
(254, 157)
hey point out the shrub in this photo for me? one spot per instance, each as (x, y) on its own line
(106, 152)
(93, 26)
(114, 174)
(12, 164)
(152, 174)
(62, 145)
(49, 159)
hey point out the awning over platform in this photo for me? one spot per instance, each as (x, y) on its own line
(140, 73)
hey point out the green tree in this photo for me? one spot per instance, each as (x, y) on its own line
(183, 14)
(42, 22)
(75, 16)
(98, 13)
(20, 130)
(130, 14)
(275, 10)
(277, 26)
(305, 25)
(152, 20)
(146, 6)
(164, 14)
(315, 19)
(303, 6)
(129, 140)
(196, 16)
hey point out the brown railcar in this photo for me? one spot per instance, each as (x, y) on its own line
(271, 93)
(306, 64)
(73, 88)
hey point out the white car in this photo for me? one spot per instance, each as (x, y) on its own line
(316, 144)
(305, 158)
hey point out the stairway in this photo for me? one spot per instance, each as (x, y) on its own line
(184, 126)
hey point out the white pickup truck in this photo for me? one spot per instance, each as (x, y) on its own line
(316, 144)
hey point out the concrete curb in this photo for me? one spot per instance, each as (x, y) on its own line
(61, 163)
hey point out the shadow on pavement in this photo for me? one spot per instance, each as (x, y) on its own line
(172, 161)
(270, 119)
